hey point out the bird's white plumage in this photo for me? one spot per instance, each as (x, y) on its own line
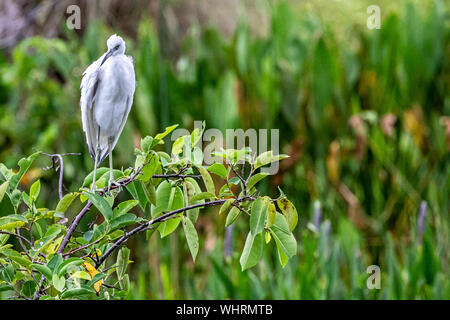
(107, 92)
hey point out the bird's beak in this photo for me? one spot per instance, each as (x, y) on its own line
(107, 55)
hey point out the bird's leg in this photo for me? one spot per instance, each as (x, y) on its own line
(111, 176)
(97, 153)
(95, 173)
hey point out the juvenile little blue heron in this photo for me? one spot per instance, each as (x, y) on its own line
(107, 90)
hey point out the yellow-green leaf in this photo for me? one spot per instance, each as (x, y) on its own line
(252, 252)
(232, 216)
(226, 207)
(209, 184)
(191, 236)
(65, 202)
(3, 188)
(289, 211)
(268, 157)
(35, 189)
(258, 215)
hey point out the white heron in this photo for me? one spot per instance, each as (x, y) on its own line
(107, 90)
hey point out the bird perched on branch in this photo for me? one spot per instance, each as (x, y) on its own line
(107, 90)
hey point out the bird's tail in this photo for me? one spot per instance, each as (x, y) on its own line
(98, 151)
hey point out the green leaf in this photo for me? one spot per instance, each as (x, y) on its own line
(289, 211)
(55, 262)
(77, 292)
(12, 221)
(169, 198)
(6, 206)
(281, 255)
(102, 182)
(192, 189)
(46, 241)
(101, 204)
(151, 193)
(5, 287)
(286, 242)
(191, 236)
(90, 177)
(122, 262)
(268, 157)
(209, 184)
(124, 207)
(146, 144)
(233, 155)
(122, 221)
(44, 270)
(16, 197)
(35, 189)
(24, 165)
(163, 193)
(169, 226)
(197, 134)
(219, 169)
(136, 188)
(3, 188)
(197, 156)
(268, 237)
(81, 275)
(258, 215)
(255, 179)
(177, 146)
(58, 282)
(151, 168)
(8, 273)
(28, 288)
(125, 283)
(201, 196)
(226, 207)
(5, 173)
(271, 214)
(232, 216)
(168, 130)
(65, 202)
(99, 276)
(4, 225)
(66, 264)
(252, 252)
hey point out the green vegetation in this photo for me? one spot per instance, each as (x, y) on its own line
(363, 115)
(73, 263)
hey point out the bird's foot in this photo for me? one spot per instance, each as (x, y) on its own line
(113, 185)
(94, 189)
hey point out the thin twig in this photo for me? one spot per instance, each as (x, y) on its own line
(18, 236)
(61, 168)
(81, 248)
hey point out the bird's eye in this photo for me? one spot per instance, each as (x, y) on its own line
(116, 47)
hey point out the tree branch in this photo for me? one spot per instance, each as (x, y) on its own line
(161, 218)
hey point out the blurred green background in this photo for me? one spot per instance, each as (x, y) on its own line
(364, 115)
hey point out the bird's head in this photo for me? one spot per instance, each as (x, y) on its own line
(116, 46)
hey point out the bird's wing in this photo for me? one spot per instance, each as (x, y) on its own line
(124, 120)
(129, 100)
(89, 85)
